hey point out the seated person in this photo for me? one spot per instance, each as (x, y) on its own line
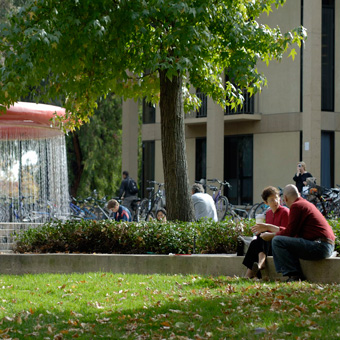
(161, 215)
(120, 213)
(204, 204)
(276, 219)
(308, 236)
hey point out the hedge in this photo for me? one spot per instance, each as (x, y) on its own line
(110, 237)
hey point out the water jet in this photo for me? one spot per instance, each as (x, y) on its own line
(33, 164)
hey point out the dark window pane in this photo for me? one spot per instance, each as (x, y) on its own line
(327, 159)
(327, 76)
(148, 166)
(149, 113)
(238, 168)
(201, 159)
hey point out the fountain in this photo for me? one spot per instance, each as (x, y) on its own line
(33, 164)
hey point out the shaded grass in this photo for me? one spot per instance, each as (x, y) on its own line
(111, 306)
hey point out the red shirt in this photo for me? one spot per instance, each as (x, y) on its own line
(279, 218)
(307, 222)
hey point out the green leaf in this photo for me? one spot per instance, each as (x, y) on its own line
(292, 53)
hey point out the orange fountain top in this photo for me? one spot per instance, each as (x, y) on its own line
(29, 121)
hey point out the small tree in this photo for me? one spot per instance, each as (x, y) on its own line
(145, 48)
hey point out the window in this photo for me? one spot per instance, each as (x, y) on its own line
(327, 75)
(327, 159)
(148, 165)
(149, 113)
(238, 168)
(202, 111)
(201, 159)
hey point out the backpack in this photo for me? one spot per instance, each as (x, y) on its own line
(132, 186)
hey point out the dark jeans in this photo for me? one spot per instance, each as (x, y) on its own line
(288, 250)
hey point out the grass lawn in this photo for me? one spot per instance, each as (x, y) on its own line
(111, 306)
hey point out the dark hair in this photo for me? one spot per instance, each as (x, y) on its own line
(197, 188)
(126, 173)
(161, 210)
(269, 191)
(111, 204)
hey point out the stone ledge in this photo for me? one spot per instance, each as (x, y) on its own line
(324, 271)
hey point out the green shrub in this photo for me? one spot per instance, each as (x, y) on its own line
(132, 238)
(203, 237)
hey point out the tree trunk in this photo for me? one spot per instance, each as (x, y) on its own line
(178, 194)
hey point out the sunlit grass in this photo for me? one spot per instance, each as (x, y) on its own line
(111, 306)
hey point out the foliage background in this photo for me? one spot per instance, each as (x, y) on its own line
(94, 151)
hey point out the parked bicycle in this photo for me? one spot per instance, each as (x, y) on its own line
(149, 206)
(221, 201)
(14, 210)
(327, 200)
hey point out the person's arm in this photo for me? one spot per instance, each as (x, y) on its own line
(263, 227)
(308, 175)
(297, 176)
(267, 236)
(284, 220)
(294, 223)
(124, 215)
(272, 228)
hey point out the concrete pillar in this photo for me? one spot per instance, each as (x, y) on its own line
(215, 141)
(130, 137)
(311, 116)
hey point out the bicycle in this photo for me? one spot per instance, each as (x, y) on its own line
(81, 212)
(258, 208)
(221, 202)
(14, 210)
(98, 207)
(150, 205)
(326, 200)
(44, 211)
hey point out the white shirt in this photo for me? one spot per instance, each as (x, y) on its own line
(204, 206)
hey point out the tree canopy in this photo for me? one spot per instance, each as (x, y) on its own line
(155, 49)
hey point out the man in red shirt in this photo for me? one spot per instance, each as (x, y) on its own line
(308, 236)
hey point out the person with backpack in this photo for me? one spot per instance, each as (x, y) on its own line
(128, 190)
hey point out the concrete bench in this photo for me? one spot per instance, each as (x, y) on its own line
(324, 271)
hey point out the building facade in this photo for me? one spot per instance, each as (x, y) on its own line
(296, 118)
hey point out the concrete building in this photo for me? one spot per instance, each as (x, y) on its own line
(296, 118)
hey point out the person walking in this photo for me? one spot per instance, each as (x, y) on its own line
(128, 190)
